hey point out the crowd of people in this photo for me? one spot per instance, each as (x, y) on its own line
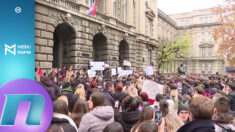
(189, 103)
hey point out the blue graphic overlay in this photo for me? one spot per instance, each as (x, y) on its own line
(12, 102)
(17, 53)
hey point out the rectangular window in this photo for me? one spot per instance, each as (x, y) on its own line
(114, 8)
(203, 67)
(125, 11)
(201, 20)
(203, 52)
(209, 37)
(89, 2)
(148, 3)
(206, 19)
(209, 67)
(203, 37)
(149, 27)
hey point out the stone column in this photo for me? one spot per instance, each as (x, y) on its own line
(129, 19)
(109, 7)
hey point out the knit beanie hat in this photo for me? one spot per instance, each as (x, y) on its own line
(182, 107)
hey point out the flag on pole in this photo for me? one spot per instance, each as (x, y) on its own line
(92, 10)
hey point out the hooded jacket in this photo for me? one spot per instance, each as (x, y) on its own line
(129, 119)
(66, 122)
(198, 125)
(223, 122)
(97, 119)
(231, 97)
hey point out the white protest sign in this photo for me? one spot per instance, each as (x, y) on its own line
(149, 70)
(125, 72)
(114, 72)
(119, 69)
(126, 63)
(152, 88)
(91, 73)
(97, 66)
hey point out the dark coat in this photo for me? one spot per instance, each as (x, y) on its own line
(146, 103)
(109, 97)
(231, 97)
(119, 96)
(129, 119)
(64, 123)
(198, 125)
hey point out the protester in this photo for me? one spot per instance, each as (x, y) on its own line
(130, 116)
(60, 117)
(144, 97)
(173, 122)
(80, 109)
(99, 117)
(202, 111)
(108, 91)
(223, 121)
(231, 95)
(148, 126)
(113, 127)
(148, 113)
(183, 113)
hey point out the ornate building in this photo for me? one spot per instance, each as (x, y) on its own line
(120, 30)
(202, 57)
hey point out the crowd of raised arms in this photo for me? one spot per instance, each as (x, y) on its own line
(105, 103)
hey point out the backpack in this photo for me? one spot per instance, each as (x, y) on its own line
(208, 95)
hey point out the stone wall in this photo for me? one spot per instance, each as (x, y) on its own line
(79, 52)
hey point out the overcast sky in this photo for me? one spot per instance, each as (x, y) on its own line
(179, 6)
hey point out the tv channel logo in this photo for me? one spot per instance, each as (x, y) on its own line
(11, 49)
(25, 106)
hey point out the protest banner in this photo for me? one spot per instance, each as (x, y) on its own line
(125, 72)
(152, 88)
(91, 73)
(114, 71)
(149, 70)
(97, 66)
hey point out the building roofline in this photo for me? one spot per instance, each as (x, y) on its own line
(167, 18)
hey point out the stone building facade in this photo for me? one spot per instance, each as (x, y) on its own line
(202, 57)
(121, 30)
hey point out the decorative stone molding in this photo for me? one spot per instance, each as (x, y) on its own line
(206, 45)
(102, 29)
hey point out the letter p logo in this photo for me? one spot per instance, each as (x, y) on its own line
(35, 112)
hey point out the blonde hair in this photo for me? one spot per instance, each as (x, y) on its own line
(132, 91)
(173, 122)
(139, 84)
(64, 98)
(174, 95)
(201, 107)
(80, 91)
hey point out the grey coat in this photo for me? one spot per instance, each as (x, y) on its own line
(97, 119)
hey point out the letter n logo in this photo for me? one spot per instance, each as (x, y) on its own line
(12, 101)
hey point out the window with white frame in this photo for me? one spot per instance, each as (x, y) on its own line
(125, 11)
(202, 52)
(201, 20)
(203, 67)
(114, 8)
(206, 20)
(148, 27)
(89, 2)
(209, 67)
(209, 37)
(203, 37)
